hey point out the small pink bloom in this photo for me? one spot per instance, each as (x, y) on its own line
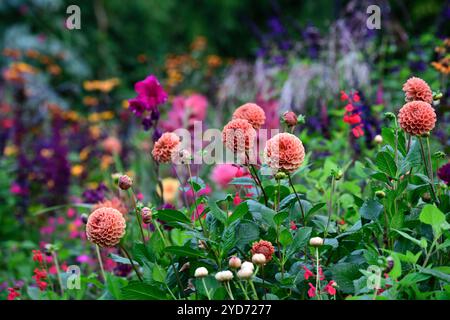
(311, 291)
(308, 273)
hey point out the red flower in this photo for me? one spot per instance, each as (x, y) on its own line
(358, 131)
(293, 225)
(344, 96)
(356, 97)
(264, 247)
(12, 294)
(311, 291)
(308, 273)
(330, 288)
(37, 256)
(237, 199)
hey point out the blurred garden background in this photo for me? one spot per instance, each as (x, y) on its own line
(66, 126)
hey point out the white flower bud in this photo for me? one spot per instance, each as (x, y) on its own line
(224, 276)
(248, 265)
(234, 262)
(201, 272)
(245, 273)
(378, 139)
(316, 242)
(259, 259)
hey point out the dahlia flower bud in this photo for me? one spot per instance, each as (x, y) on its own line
(390, 264)
(105, 227)
(378, 139)
(245, 274)
(146, 215)
(234, 262)
(84, 218)
(438, 96)
(389, 115)
(48, 249)
(248, 265)
(290, 118)
(125, 182)
(223, 276)
(439, 155)
(316, 242)
(259, 259)
(280, 175)
(338, 174)
(426, 197)
(201, 272)
(380, 194)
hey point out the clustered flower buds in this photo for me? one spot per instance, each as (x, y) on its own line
(316, 242)
(234, 262)
(201, 272)
(125, 182)
(146, 215)
(223, 276)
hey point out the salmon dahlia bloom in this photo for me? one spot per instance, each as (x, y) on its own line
(112, 145)
(417, 89)
(165, 147)
(105, 227)
(238, 135)
(284, 152)
(263, 247)
(417, 118)
(252, 113)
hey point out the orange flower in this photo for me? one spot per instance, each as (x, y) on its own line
(417, 118)
(238, 135)
(417, 89)
(114, 203)
(284, 152)
(105, 227)
(112, 145)
(252, 113)
(166, 145)
(263, 247)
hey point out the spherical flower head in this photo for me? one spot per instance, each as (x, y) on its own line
(378, 139)
(165, 147)
(259, 259)
(150, 92)
(417, 118)
(201, 272)
(316, 242)
(417, 89)
(234, 262)
(248, 265)
(245, 274)
(125, 182)
(264, 247)
(112, 145)
(147, 214)
(284, 152)
(290, 118)
(252, 113)
(444, 173)
(238, 135)
(114, 203)
(105, 227)
(223, 276)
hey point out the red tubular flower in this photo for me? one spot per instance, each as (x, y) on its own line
(37, 256)
(308, 273)
(312, 290)
(352, 114)
(293, 226)
(330, 288)
(12, 294)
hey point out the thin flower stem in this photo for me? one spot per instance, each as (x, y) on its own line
(206, 289)
(244, 290)
(197, 216)
(133, 199)
(131, 261)
(430, 163)
(255, 295)
(298, 199)
(330, 204)
(317, 274)
(427, 170)
(228, 288)
(100, 262)
(58, 271)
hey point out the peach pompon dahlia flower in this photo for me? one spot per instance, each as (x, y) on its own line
(252, 113)
(114, 203)
(112, 145)
(417, 89)
(417, 118)
(284, 152)
(165, 147)
(105, 227)
(238, 135)
(263, 247)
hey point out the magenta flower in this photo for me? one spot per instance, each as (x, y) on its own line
(444, 173)
(137, 106)
(150, 92)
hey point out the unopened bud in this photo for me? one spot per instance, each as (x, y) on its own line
(316, 242)
(223, 276)
(280, 175)
(290, 118)
(245, 273)
(389, 115)
(125, 182)
(378, 139)
(425, 135)
(259, 259)
(234, 262)
(338, 174)
(426, 197)
(146, 215)
(439, 155)
(84, 218)
(438, 96)
(201, 272)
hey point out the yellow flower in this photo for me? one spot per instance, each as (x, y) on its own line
(90, 101)
(101, 85)
(106, 161)
(94, 117)
(125, 104)
(46, 153)
(107, 115)
(77, 170)
(10, 150)
(170, 189)
(84, 153)
(213, 61)
(95, 132)
(92, 185)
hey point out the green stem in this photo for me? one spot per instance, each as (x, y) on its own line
(131, 261)
(427, 170)
(317, 274)
(100, 262)
(253, 289)
(244, 290)
(206, 289)
(228, 288)
(330, 204)
(58, 272)
(298, 199)
(133, 199)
